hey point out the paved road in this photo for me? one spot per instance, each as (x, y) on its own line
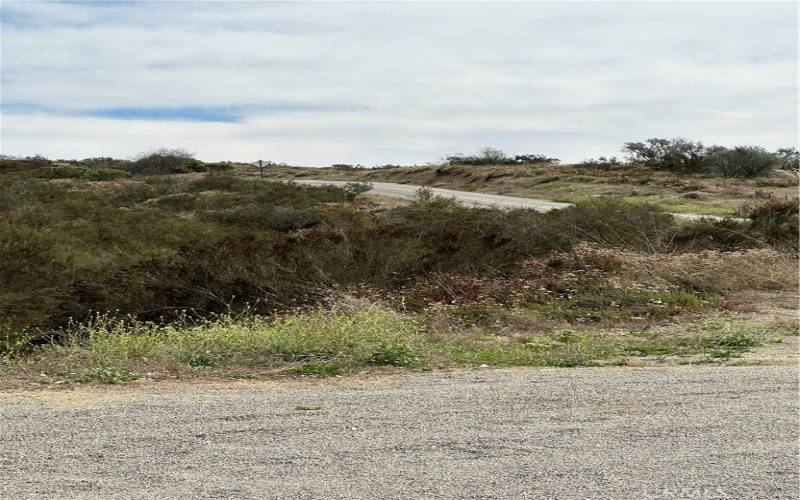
(672, 432)
(470, 198)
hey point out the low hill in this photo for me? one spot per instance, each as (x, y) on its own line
(680, 193)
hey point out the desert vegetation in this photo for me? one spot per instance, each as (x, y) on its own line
(681, 155)
(494, 156)
(676, 175)
(112, 270)
(675, 155)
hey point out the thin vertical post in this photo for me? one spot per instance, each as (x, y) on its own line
(261, 168)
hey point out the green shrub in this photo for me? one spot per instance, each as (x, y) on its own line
(394, 355)
(681, 155)
(221, 181)
(723, 335)
(675, 155)
(741, 161)
(736, 340)
(279, 218)
(166, 161)
(139, 192)
(601, 163)
(494, 156)
(344, 167)
(81, 172)
(11, 164)
(112, 375)
(354, 189)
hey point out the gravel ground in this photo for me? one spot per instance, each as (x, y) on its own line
(674, 432)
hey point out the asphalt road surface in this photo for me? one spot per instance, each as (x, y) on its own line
(666, 432)
(471, 198)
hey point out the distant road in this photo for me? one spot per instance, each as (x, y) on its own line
(618, 433)
(467, 197)
(471, 198)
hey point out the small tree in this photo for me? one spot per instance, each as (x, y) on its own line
(486, 156)
(101, 162)
(601, 163)
(789, 159)
(492, 156)
(424, 196)
(741, 161)
(535, 160)
(676, 155)
(166, 161)
(354, 189)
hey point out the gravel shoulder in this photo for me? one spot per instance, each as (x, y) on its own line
(667, 432)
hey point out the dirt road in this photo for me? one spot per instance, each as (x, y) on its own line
(472, 198)
(672, 432)
(469, 198)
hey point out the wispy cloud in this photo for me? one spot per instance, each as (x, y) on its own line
(195, 114)
(231, 114)
(316, 83)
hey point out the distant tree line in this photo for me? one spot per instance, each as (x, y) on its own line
(494, 156)
(675, 155)
(163, 161)
(683, 156)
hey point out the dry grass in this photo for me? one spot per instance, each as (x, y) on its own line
(595, 288)
(707, 271)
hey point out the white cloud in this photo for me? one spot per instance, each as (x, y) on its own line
(570, 80)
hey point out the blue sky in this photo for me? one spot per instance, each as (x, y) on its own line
(375, 83)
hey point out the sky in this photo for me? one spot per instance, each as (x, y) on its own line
(402, 83)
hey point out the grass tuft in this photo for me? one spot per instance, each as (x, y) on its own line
(111, 375)
(308, 408)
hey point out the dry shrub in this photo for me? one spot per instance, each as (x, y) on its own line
(599, 271)
(776, 220)
(708, 271)
(561, 276)
(593, 259)
(722, 272)
(458, 289)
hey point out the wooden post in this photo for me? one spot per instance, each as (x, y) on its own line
(261, 168)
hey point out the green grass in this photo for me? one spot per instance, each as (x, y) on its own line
(319, 369)
(323, 343)
(329, 343)
(681, 206)
(111, 375)
(717, 340)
